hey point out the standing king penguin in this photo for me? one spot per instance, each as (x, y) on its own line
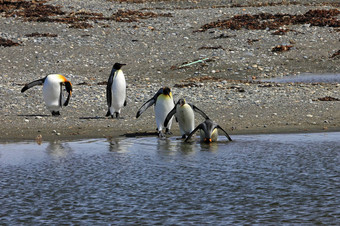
(208, 131)
(116, 91)
(185, 116)
(53, 91)
(164, 103)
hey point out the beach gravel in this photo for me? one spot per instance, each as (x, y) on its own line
(155, 44)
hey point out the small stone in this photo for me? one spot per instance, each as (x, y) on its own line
(309, 116)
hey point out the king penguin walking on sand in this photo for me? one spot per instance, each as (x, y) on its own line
(164, 103)
(52, 91)
(116, 91)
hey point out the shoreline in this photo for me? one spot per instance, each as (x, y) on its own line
(51, 136)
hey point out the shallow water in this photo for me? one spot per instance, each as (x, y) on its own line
(307, 78)
(256, 179)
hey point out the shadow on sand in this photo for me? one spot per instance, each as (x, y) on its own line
(140, 134)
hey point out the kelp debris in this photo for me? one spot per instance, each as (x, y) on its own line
(224, 36)
(29, 9)
(211, 47)
(327, 98)
(40, 12)
(8, 43)
(281, 31)
(36, 34)
(318, 17)
(102, 83)
(237, 88)
(336, 54)
(251, 41)
(190, 84)
(281, 48)
(134, 16)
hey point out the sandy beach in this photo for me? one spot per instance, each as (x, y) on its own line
(240, 44)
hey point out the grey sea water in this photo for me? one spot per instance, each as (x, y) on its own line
(256, 179)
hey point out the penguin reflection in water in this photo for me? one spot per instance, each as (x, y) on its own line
(53, 91)
(208, 131)
(116, 91)
(164, 103)
(184, 113)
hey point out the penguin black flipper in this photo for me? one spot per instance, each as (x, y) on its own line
(125, 103)
(226, 134)
(108, 87)
(69, 90)
(149, 103)
(34, 83)
(145, 106)
(200, 126)
(199, 111)
(169, 116)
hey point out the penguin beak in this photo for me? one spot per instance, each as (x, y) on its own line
(207, 140)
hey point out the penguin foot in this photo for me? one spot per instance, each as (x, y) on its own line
(167, 131)
(161, 134)
(55, 113)
(108, 113)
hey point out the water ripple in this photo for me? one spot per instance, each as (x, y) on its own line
(260, 179)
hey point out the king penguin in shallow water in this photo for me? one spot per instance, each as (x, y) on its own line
(184, 113)
(116, 91)
(164, 103)
(208, 131)
(53, 91)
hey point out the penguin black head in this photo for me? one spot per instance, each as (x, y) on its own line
(208, 127)
(118, 66)
(166, 91)
(181, 102)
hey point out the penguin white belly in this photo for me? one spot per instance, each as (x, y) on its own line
(52, 92)
(163, 106)
(214, 135)
(186, 119)
(118, 90)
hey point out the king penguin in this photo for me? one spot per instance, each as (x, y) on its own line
(164, 103)
(184, 113)
(53, 91)
(116, 91)
(208, 131)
